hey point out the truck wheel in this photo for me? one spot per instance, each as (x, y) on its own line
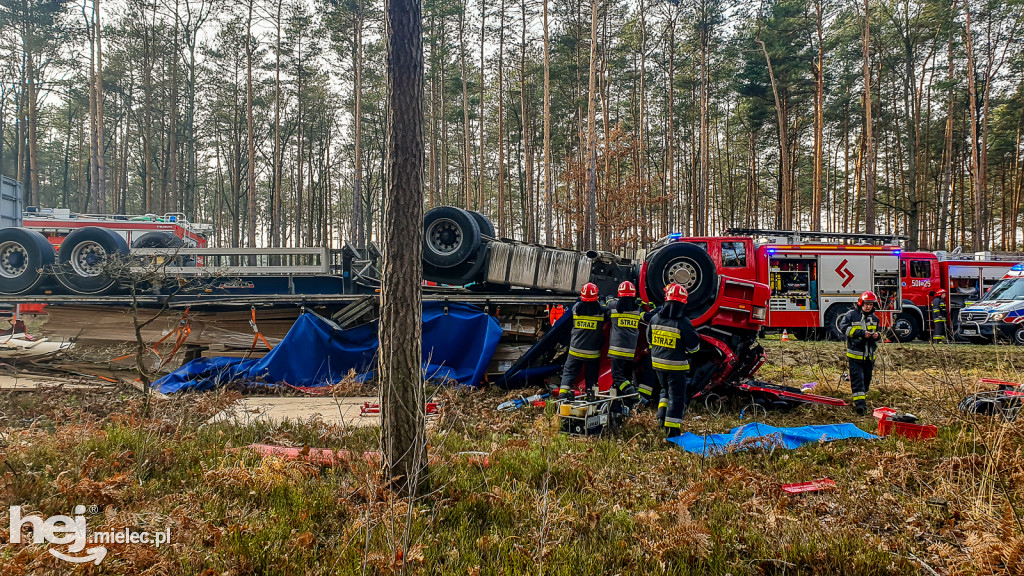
(24, 255)
(1018, 336)
(158, 239)
(450, 236)
(832, 317)
(686, 264)
(906, 327)
(486, 227)
(83, 257)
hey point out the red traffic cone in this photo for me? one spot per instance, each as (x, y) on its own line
(785, 336)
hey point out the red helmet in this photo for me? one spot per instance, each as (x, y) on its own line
(589, 292)
(867, 297)
(940, 292)
(676, 293)
(626, 289)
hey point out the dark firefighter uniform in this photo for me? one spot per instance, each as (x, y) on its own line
(860, 352)
(584, 346)
(672, 339)
(622, 337)
(938, 319)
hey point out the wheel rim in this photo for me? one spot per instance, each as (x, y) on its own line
(445, 236)
(901, 327)
(682, 272)
(1018, 336)
(87, 259)
(13, 259)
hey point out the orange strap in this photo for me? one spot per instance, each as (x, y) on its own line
(182, 330)
(257, 335)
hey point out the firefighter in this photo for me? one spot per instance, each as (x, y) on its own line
(625, 318)
(585, 343)
(672, 339)
(939, 317)
(861, 328)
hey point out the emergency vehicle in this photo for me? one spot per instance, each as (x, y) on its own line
(999, 314)
(75, 246)
(812, 283)
(964, 277)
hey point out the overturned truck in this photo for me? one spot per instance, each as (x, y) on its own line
(65, 259)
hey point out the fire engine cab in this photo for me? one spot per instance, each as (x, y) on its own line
(814, 277)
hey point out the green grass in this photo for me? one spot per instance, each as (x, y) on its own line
(626, 503)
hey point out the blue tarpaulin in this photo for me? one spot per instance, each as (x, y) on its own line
(457, 345)
(770, 436)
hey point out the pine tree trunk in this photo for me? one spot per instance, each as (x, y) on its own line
(591, 219)
(548, 232)
(402, 395)
(869, 140)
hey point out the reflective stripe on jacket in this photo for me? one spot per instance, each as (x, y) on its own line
(625, 331)
(856, 325)
(587, 335)
(672, 341)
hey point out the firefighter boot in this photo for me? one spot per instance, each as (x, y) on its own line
(662, 409)
(626, 389)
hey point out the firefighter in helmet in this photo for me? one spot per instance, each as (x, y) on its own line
(585, 343)
(625, 317)
(861, 328)
(939, 317)
(672, 339)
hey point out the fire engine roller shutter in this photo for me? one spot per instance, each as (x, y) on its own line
(82, 258)
(24, 255)
(689, 265)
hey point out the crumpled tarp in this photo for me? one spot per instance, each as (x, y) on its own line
(761, 435)
(316, 352)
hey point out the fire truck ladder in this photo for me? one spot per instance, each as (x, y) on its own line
(797, 236)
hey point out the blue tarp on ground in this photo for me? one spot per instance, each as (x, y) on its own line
(457, 345)
(770, 436)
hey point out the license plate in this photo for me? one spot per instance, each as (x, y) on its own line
(970, 332)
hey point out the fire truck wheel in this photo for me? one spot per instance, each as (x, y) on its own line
(486, 227)
(1018, 336)
(158, 239)
(832, 317)
(906, 327)
(24, 255)
(450, 236)
(84, 257)
(687, 264)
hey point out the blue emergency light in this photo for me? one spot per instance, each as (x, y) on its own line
(675, 236)
(1018, 267)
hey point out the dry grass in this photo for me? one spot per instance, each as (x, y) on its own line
(542, 502)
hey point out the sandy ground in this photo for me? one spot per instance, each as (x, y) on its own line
(339, 411)
(23, 382)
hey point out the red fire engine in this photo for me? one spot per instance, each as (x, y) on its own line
(965, 277)
(812, 283)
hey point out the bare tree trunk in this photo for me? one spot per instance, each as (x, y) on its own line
(529, 220)
(483, 63)
(547, 130)
(869, 141)
(819, 117)
(402, 395)
(276, 235)
(502, 229)
(467, 176)
(946, 185)
(783, 209)
(591, 221)
(357, 186)
(249, 49)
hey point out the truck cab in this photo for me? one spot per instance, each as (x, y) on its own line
(812, 283)
(999, 314)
